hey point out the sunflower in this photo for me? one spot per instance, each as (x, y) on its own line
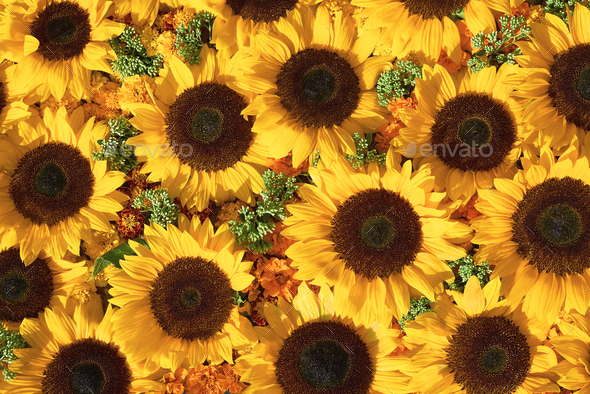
(194, 139)
(535, 229)
(557, 77)
(144, 13)
(574, 369)
(57, 44)
(176, 297)
(308, 349)
(315, 81)
(237, 21)
(373, 238)
(51, 192)
(480, 345)
(12, 107)
(423, 27)
(25, 291)
(468, 129)
(77, 355)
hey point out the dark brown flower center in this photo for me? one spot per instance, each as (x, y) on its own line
(318, 88)
(473, 132)
(569, 85)
(326, 357)
(489, 355)
(87, 366)
(261, 10)
(51, 183)
(551, 225)
(24, 290)
(429, 9)
(191, 298)
(377, 233)
(205, 127)
(63, 30)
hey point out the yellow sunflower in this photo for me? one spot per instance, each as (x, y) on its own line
(12, 107)
(574, 347)
(51, 192)
(307, 348)
(28, 290)
(144, 13)
(535, 229)
(375, 239)
(176, 297)
(423, 27)
(237, 21)
(467, 128)
(194, 139)
(315, 81)
(77, 355)
(57, 44)
(479, 345)
(556, 67)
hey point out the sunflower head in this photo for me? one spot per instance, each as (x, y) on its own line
(185, 295)
(52, 186)
(318, 352)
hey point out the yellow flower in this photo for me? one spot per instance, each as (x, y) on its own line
(535, 229)
(376, 239)
(47, 282)
(315, 83)
(479, 345)
(467, 129)
(237, 22)
(194, 140)
(77, 355)
(175, 297)
(423, 27)
(52, 193)
(57, 44)
(574, 369)
(12, 107)
(557, 81)
(307, 348)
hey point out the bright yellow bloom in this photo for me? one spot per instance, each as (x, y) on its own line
(194, 140)
(57, 44)
(175, 297)
(77, 354)
(423, 27)
(377, 238)
(315, 82)
(51, 191)
(535, 229)
(479, 345)
(307, 348)
(467, 128)
(555, 68)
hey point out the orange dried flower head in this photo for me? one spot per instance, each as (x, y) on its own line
(285, 165)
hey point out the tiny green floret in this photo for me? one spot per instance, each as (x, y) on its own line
(120, 156)
(398, 82)
(418, 306)
(364, 155)
(8, 342)
(190, 39)
(132, 58)
(464, 269)
(159, 205)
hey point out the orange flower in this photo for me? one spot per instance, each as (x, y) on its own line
(276, 278)
(203, 380)
(466, 212)
(453, 68)
(174, 381)
(136, 89)
(466, 36)
(279, 243)
(231, 380)
(166, 45)
(285, 165)
(388, 131)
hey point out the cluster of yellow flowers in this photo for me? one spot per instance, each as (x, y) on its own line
(433, 234)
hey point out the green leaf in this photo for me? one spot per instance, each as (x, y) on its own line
(113, 256)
